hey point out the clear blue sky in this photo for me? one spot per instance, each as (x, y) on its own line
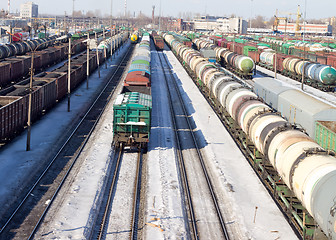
(315, 8)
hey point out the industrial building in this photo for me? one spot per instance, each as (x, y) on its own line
(308, 28)
(222, 25)
(29, 10)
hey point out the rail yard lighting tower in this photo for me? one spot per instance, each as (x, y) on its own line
(160, 17)
(251, 15)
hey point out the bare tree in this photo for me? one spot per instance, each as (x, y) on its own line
(78, 13)
(97, 13)
(90, 14)
(258, 22)
(27, 29)
(35, 26)
(270, 22)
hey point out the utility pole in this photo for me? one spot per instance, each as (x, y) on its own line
(304, 46)
(87, 61)
(153, 22)
(69, 74)
(160, 17)
(251, 15)
(125, 8)
(73, 12)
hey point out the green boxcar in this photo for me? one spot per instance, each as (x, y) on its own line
(325, 134)
(132, 118)
(248, 48)
(42, 35)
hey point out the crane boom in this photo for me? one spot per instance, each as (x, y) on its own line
(297, 24)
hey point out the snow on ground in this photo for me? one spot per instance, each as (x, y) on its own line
(120, 218)
(17, 165)
(250, 207)
(164, 217)
(74, 212)
(329, 98)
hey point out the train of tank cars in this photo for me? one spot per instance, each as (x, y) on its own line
(317, 117)
(132, 108)
(318, 68)
(48, 87)
(15, 58)
(281, 152)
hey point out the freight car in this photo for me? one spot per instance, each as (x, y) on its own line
(319, 68)
(20, 48)
(242, 65)
(268, 140)
(296, 106)
(158, 41)
(132, 108)
(23, 47)
(16, 68)
(316, 75)
(135, 37)
(48, 88)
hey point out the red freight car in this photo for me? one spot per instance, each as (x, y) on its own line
(16, 68)
(24, 92)
(137, 78)
(44, 59)
(279, 61)
(159, 44)
(46, 89)
(158, 41)
(26, 63)
(4, 73)
(331, 60)
(64, 69)
(60, 81)
(12, 116)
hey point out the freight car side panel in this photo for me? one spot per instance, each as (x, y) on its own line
(325, 134)
(4, 73)
(332, 60)
(16, 69)
(11, 116)
(297, 107)
(132, 118)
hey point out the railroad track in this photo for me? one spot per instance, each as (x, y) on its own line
(23, 222)
(102, 223)
(200, 226)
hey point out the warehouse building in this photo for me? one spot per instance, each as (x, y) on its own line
(29, 10)
(220, 24)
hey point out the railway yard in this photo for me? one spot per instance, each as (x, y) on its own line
(166, 135)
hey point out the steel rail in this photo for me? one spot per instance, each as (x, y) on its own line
(136, 197)
(59, 152)
(208, 180)
(111, 190)
(181, 161)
